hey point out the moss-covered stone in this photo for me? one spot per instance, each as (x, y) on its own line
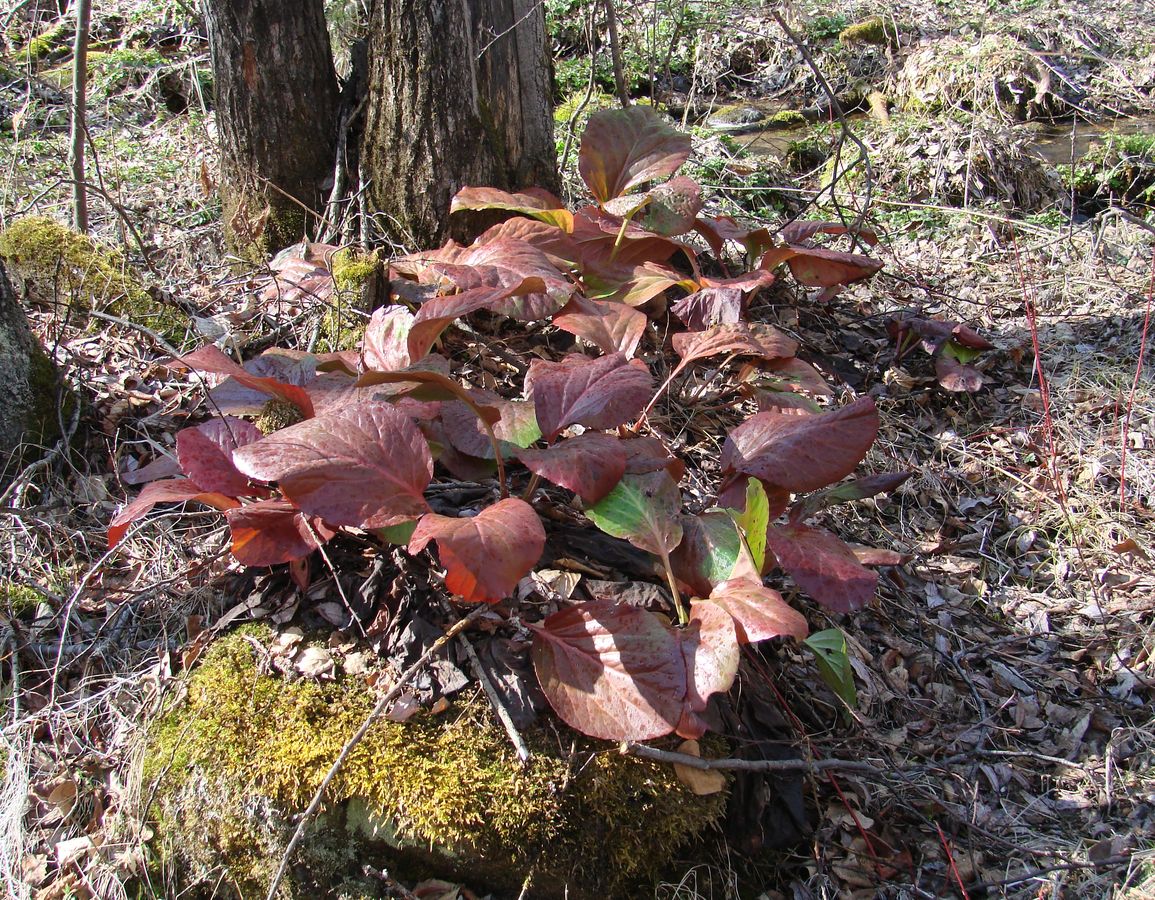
(869, 31)
(438, 795)
(60, 267)
(277, 414)
(356, 275)
(56, 40)
(786, 118)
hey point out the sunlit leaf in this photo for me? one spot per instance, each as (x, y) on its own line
(818, 267)
(597, 393)
(590, 464)
(276, 373)
(709, 645)
(822, 565)
(559, 248)
(955, 376)
(486, 555)
(610, 326)
(834, 667)
(848, 492)
(270, 532)
(205, 453)
(622, 148)
(535, 202)
(644, 510)
(669, 209)
(799, 232)
(176, 490)
(707, 553)
(365, 465)
(753, 520)
(759, 612)
(741, 338)
(386, 344)
(802, 453)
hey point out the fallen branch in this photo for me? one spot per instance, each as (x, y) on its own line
(632, 748)
(382, 704)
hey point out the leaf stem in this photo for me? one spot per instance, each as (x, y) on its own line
(683, 617)
(534, 481)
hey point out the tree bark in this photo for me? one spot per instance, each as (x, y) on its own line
(459, 95)
(277, 105)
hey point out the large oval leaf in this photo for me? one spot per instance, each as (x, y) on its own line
(759, 612)
(486, 555)
(597, 393)
(590, 464)
(365, 465)
(609, 326)
(270, 532)
(275, 373)
(818, 267)
(205, 453)
(740, 338)
(644, 510)
(622, 148)
(386, 343)
(617, 672)
(802, 453)
(708, 552)
(540, 204)
(822, 565)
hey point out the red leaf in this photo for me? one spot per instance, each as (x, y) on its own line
(795, 375)
(669, 209)
(176, 490)
(957, 376)
(559, 248)
(622, 148)
(517, 425)
(597, 393)
(535, 289)
(534, 202)
(648, 454)
(270, 532)
(802, 453)
(603, 244)
(799, 232)
(590, 464)
(607, 325)
(743, 338)
(436, 315)
(617, 672)
(708, 307)
(206, 454)
(732, 495)
(365, 465)
(759, 612)
(818, 267)
(276, 373)
(822, 565)
(386, 347)
(485, 556)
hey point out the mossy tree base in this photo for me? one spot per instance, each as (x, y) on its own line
(438, 796)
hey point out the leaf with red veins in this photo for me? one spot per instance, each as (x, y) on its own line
(517, 266)
(603, 243)
(365, 465)
(270, 532)
(799, 232)
(205, 453)
(759, 612)
(642, 509)
(598, 393)
(609, 326)
(486, 555)
(535, 202)
(802, 453)
(818, 267)
(386, 343)
(620, 673)
(590, 464)
(278, 373)
(176, 490)
(710, 653)
(719, 301)
(824, 566)
(740, 338)
(622, 148)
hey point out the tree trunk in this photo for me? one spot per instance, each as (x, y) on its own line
(459, 95)
(277, 103)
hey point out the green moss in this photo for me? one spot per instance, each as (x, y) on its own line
(18, 601)
(277, 414)
(869, 31)
(786, 118)
(444, 794)
(56, 39)
(353, 269)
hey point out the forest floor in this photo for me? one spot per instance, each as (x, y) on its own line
(1006, 673)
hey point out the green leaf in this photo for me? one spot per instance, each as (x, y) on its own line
(397, 534)
(643, 509)
(754, 520)
(955, 350)
(829, 648)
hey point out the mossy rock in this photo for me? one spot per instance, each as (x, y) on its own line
(874, 30)
(357, 276)
(56, 41)
(437, 796)
(59, 267)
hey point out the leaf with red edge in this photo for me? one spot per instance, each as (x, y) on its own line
(365, 465)
(291, 371)
(644, 510)
(802, 453)
(734, 491)
(799, 232)
(176, 490)
(740, 338)
(609, 326)
(597, 393)
(616, 672)
(759, 612)
(622, 148)
(590, 464)
(710, 306)
(824, 566)
(818, 267)
(707, 553)
(426, 384)
(436, 315)
(517, 425)
(271, 532)
(299, 273)
(559, 248)
(486, 555)
(535, 202)
(633, 285)
(669, 209)
(205, 453)
(648, 454)
(386, 344)
(524, 271)
(718, 229)
(603, 242)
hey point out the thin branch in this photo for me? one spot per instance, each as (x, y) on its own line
(616, 54)
(631, 748)
(79, 104)
(382, 705)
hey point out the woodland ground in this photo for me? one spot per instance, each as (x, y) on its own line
(1006, 673)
